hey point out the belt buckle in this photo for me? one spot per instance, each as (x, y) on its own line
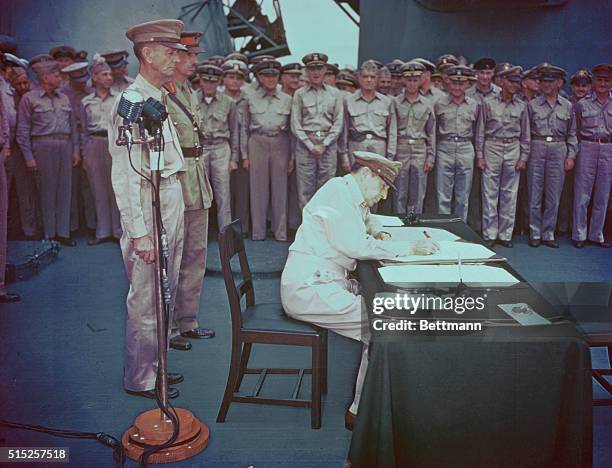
(549, 139)
(411, 141)
(318, 133)
(368, 136)
(455, 138)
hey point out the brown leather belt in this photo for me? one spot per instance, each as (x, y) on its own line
(100, 133)
(502, 140)
(212, 141)
(548, 139)
(602, 140)
(411, 141)
(363, 136)
(194, 152)
(52, 136)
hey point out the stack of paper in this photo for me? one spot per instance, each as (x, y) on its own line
(386, 221)
(417, 233)
(471, 275)
(450, 253)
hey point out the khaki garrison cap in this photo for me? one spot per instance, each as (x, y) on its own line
(386, 169)
(166, 32)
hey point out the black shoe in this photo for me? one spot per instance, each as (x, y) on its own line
(578, 244)
(490, 243)
(603, 245)
(199, 333)
(551, 243)
(100, 240)
(174, 378)
(349, 420)
(179, 343)
(172, 393)
(505, 243)
(534, 242)
(66, 241)
(9, 297)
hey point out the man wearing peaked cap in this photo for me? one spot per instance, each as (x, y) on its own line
(427, 89)
(290, 77)
(593, 173)
(530, 86)
(117, 61)
(455, 151)
(580, 83)
(316, 127)
(347, 82)
(396, 76)
(446, 59)
(338, 230)
(331, 72)
(216, 60)
(183, 109)
(156, 46)
(237, 56)
(416, 129)
(49, 142)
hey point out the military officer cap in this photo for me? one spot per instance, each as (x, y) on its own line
(484, 64)
(166, 32)
(260, 58)
(348, 79)
(603, 70)
(81, 56)
(315, 59)
(63, 51)
(8, 44)
(195, 80)
(548, 72)
(513, 73)
(99, 64)
(371, 65)
(426, 63)
(582, 76)
(116, 58)
(412, 68)
(77, 71)
(235, 66)
(384, 168)
(331, 69)
(267, 67)
(191, 40)
(209, 72)
(444, 67)
(378, 63)
(395, 67)
(44, 68)
(237, 56)
(13, 60)
(292, 68)
(40, 58)
(436, 74)
(446, 59)
(460, 73)
(216, 60)
(501, 66)
(531, 74)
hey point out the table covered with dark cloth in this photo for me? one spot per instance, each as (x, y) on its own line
(507, 396)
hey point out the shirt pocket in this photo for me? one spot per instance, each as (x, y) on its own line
(590, 119)
(608, 117)
(309, 108)
(562, 118)
(379, 119)
(219, 119)
(283, 115)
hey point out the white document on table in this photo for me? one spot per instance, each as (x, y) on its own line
(386, 221)
(449, 252)
(416, 233)
(524, 314)
(471, 275)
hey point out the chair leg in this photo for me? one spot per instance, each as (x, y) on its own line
(244, 362)
(315, 410)
(232, 377)
(324, 361)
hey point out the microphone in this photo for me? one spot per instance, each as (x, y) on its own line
(130, 106)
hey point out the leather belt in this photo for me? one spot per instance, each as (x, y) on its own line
(411, 141)
(548, 139)
(454, 138)
(52, 136)
(212, 141)
(362, 136)
(269, 133)
(600, 140)
(194, 152)
(100, 133)
(503, 140)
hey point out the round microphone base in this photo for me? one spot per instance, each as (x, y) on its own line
(153, 428)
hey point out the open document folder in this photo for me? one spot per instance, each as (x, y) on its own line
(416, 233)
(471, 275)
(450, 253)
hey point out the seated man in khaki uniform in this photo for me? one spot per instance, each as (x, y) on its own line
(337, 230)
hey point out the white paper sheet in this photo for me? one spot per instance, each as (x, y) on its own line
(524, 314)
(451, 252)
(472, 275)
(382, 220)
(416, 233)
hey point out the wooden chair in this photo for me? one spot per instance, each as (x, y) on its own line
(265, 324)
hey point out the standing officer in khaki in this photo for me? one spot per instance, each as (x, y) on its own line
(155, 45)
(553, 152)
(456, 117)
(48, 137)
(594, 164)
(97, 162)
(197, 195)
(117, 61)
(427, 88)
(502, 150)
(220, 143)
(235, 73)
(268, 150)
(416, 141)
(370, 122)
(317, 116)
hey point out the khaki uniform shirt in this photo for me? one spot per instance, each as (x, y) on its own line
(503, 120)
(127, 184)
(434, 94)
(594, 119)
(416, 120)
(317, 110)
(456, 120)
(376, 117)
(557, 121)
(264, 114)
(197, 191)
(94, 114)
(476, 93)
(123, 84)
(45, 114)
(219, 120)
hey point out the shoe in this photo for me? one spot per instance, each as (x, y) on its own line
(66, 241)
(174, 378)
(199, 333)
(603, 245)
(534, 242)
(490, 243)
(98, 240)
(578, 244)
(172, 393)
(9, 297)
(349, 420)
(179, 343)
(551, 243)
(505, 243)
